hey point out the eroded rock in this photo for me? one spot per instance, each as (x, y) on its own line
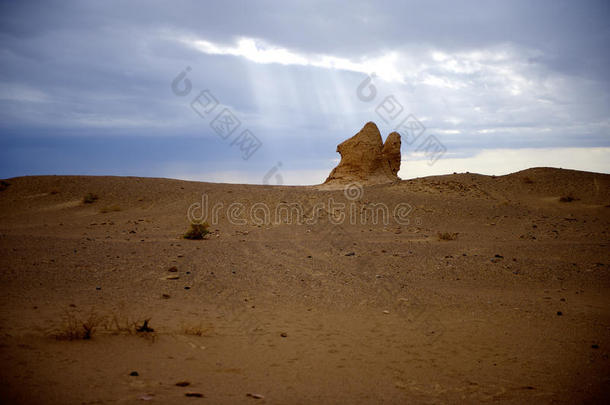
(366, 159)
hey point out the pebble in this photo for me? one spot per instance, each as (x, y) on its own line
(350, 254)
(255, 396)
(173, 269)
(283, 334)
(559, 313)
(183, 384)
(172, 277)
(194, 394)
(386, 312)
(134, 374)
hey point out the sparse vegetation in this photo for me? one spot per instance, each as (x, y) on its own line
(196, 330)
(447, 235)
(197, 231)
(90, 198)
(74, 327)
(567, 198)
(112, 208)
(145, 327)
(120, 323)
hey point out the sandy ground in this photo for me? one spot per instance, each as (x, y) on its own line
(514, 309)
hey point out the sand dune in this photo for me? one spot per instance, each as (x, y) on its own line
(468, 288)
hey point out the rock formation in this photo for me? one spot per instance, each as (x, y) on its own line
(391, 152)
(366, 159)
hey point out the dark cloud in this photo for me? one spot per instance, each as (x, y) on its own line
(102, 70)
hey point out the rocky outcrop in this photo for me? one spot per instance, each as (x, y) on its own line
(391, 152)
(366, 159)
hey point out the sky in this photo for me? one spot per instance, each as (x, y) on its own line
(262, 92)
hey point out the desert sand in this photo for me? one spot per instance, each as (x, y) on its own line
(490, 290)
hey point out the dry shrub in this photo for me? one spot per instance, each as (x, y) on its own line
(90, 198)
(197, 330)
(567, 198)
(75, 327)
(447, 235)
(197, 231)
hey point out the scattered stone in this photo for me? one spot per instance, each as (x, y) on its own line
(499, 256)
(194, 394)
(134, 374)
(284, 334)
(350, 254)
(594, 346)
(559, 313)
(386, 312)
(173, 269)
(146, 397)
(98, 288)
(165, 296)
(187, 288)
(183, 384)
(172, 277)
(255, 396)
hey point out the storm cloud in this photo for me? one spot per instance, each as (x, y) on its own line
(86, 86)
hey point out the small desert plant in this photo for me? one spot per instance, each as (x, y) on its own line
(112, 208)
(145, 327)
(90, 198)
(75, 328)
(120, 323)
(567, 198)
(196, 330)
(447, 236)
(197, 231)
